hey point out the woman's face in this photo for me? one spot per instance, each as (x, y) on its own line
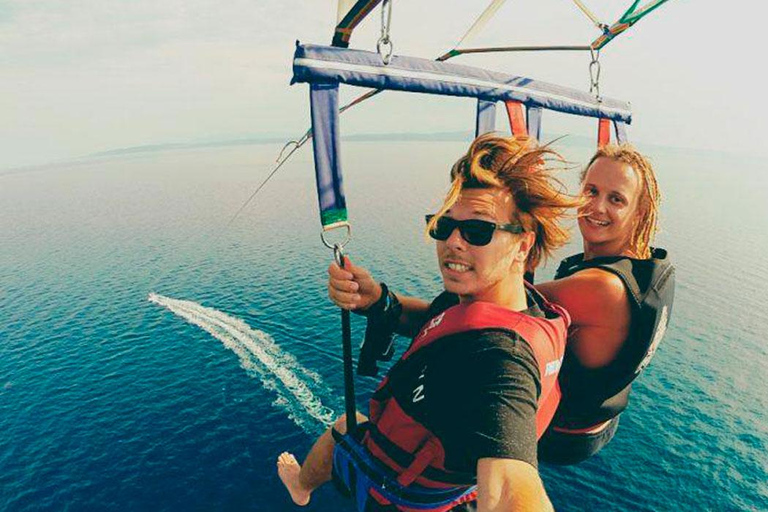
(608, 220)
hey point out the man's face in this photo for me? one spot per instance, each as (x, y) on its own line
(478, 272)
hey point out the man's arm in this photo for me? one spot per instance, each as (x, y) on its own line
(353, 288)
(498, 421)
(509, 485)
(413, 315)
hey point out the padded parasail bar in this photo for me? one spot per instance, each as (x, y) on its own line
(324, 103)
(314, 64)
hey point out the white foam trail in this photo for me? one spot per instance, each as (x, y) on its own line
(261, 356)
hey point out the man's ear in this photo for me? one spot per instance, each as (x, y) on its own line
(527, 240)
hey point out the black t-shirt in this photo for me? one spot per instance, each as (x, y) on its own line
(476, 390)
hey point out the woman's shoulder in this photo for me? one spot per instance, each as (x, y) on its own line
(586, 290)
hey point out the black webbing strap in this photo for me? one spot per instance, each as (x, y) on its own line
(346, 340)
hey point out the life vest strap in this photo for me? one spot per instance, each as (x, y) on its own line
(420, 462)
(404, 459)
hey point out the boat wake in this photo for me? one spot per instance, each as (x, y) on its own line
(296, 386)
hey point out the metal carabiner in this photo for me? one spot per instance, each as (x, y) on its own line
(594, 74)
(384, 45)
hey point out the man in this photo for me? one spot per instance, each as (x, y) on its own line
(468, 400)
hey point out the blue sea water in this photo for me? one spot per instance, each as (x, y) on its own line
(152, 360)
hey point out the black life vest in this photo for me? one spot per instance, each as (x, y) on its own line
(400, 445)
(594, 395)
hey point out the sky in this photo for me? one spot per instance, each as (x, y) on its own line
(87, 76)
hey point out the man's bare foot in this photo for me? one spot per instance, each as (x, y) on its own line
(288, 469)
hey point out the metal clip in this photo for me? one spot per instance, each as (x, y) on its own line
(384, 45)
(594, 75)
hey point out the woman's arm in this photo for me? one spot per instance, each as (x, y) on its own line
(600, 311)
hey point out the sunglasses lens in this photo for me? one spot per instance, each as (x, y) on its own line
(443, 229)
(477, 232)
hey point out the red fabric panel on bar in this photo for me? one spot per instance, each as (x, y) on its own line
(603, 132)
(516, 118)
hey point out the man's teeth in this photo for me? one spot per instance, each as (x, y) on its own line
(598, 222)
(457, 267)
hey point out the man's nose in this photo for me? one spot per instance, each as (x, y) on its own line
(455, 240)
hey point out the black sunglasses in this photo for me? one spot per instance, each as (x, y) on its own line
(474, 231)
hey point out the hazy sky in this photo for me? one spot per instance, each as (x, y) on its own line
(83, 76)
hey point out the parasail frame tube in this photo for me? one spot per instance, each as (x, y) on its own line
(313, 64)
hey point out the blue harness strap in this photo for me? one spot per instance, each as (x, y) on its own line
(324, 103)
(324, 68)
(621, 132)
(534, 122)
(357, 473)
(485, 121)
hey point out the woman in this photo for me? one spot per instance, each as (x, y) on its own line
(619, 293)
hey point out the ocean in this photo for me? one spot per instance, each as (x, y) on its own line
(152, 359)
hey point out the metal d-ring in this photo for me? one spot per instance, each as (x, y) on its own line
(341, 244)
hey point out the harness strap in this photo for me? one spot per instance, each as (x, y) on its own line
(404, 459)
(485, 121)
(534, 122)
(621, 132)
(603, 132)
(360, 475)
(516, 118)
(324, 104)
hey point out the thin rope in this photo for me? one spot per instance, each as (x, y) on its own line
(481, 21)
(589, 14)
(297, 144)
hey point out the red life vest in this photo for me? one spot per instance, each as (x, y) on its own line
(413, 451)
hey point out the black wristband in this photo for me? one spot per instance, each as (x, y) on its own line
(378, 345)
(378, 307)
